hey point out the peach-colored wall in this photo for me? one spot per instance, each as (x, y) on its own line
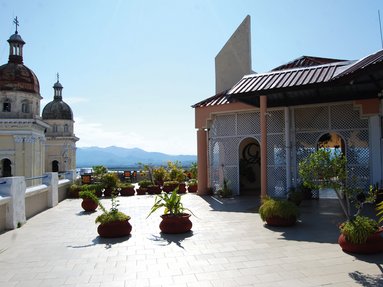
(368, 107)
(203, 114)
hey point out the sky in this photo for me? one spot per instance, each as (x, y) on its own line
(131, 70)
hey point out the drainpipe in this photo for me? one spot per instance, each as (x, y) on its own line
(263, 122)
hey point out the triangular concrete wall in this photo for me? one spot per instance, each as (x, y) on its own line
(234, 59)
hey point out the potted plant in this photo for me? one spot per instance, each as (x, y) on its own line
(143, 186)
(181, 187)
(225, 191)
(159, 175)
(113, 223)
(278, 212)
(89, 200)
(170, 185)
(96, 187)
(361, 235)
(192, 185)
(73, 191)
(325, 168)
(154, 189)
(109, 182)
(126, 189)
(174, 219)
(295, 196)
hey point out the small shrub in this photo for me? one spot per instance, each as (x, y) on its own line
(279, 208)
(358, 229)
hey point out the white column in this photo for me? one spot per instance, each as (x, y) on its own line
(51, 179)
(288, 148)
(263, 123)
(14, 187)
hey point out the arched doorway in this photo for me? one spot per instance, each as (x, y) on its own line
(250, 167)
(335, 143)
(55, 166)
(6, 168)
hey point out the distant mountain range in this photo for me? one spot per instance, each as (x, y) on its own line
(118, 157)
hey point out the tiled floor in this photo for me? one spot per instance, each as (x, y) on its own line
(229, 246)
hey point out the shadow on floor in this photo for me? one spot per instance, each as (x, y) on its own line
(234, 204)
(167, 239)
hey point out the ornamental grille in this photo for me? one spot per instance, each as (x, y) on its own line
(308, 124)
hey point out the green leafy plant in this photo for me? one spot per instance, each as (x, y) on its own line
(379, 209)
(358, 229)
(225, 191)
(193, 182)
(193, 170)
(277, 208)
(145, 183)
(125, 185)
(159, 174)
(295, 195)
(323, 169)
(111, 215)
(109, 180)
(175, 172)
(170, 202)
(91, 194)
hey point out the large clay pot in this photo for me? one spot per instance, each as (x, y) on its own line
(281, 221)
(175, 223)
(182, 188)
(193, 188)
(89, 205)
(141, 191)
(108, 192)
(127, 191)
(154, 189)
(114, 229)
(374, 244)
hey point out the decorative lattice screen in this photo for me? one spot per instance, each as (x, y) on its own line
(307, 125)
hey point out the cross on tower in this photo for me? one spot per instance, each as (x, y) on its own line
(58, 77)
(16, 22)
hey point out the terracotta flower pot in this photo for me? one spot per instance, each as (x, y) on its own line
(175, 223)
(374, 244)
(114, 229)
(89, 205)
(141, 191)
(108, 192)
(154, 189)
(128, 191)
(182, 188)
(281, 221)
(192, 188)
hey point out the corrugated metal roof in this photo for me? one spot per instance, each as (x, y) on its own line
(286, 78)
(219, 99)
(306, 61)
(303, 74)
(362, 64)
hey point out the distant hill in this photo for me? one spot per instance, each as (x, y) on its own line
(116, 157)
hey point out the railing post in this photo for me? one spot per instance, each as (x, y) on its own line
(51, 179)
(15, 212)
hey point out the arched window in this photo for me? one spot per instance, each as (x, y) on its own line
(55, 128)
(66, 128)
(332, 141)
(6, 168)
(7, 106)
(25, 106)
(55, 166)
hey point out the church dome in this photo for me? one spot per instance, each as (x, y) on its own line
(15, 76)
(57, 109)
